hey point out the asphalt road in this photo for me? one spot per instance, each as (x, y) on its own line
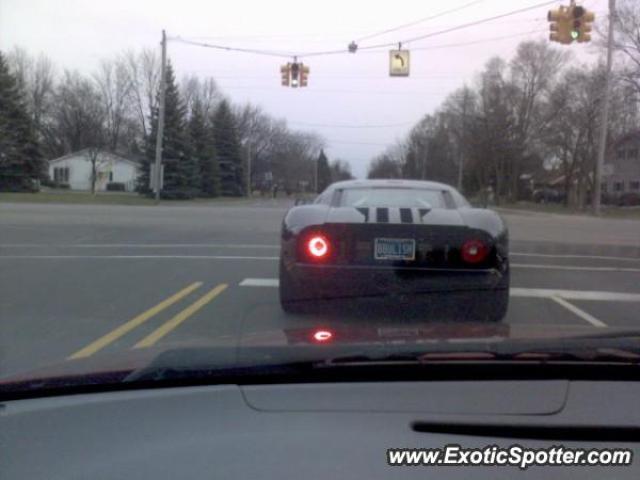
(79, 281)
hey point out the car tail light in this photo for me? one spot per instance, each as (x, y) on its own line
(322, 336)
(318, 246)
(474, 251)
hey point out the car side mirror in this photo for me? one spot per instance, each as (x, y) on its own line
(301, 201)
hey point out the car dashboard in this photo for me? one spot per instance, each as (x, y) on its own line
(311, 431)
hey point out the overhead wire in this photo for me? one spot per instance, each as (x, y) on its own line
(459, 27)
(416, 22)
(321, 125)
(255, 51)
(484, 40)
(280, 54)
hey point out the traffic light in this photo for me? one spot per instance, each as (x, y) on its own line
(570, 24)
(304, 75)
(559, 25)
(285, 71)
(295, 74)
(581, 26)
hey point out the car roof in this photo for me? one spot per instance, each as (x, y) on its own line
(390, 183)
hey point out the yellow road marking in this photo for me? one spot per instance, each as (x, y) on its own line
(133, 323)
(161, 331)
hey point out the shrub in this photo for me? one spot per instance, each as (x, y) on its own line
(186, 194)
(116, 187)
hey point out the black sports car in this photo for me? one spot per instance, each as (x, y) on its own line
(375, 238)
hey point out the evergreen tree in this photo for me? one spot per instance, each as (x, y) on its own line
(20, 157)
(204, 151)
(228, 152)
(181, 177)
(324, 172)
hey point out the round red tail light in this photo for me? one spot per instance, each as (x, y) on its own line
(474, 251)
(318, 246)
(322, 335)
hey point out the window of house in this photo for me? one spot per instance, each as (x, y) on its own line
(632, 153)
(111, 176)
(603, 187)
(620, 154)
(61, 174)
(618, 186)
(634, 185)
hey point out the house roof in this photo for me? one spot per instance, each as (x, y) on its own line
(81, 152)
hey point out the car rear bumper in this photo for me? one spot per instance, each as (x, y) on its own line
(347, 280)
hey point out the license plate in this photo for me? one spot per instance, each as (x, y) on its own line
(395, 249)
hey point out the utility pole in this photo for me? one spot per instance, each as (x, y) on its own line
(160, 136)
(602, 147)
(248, 170)
(315, 176)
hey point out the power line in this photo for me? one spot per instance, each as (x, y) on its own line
(460, 27)
(346, 142)
(491, 39)
(416, 22)
(255, 51)
(321, 125)
(352, 92)
(337, 76)
(384, 77)
(273, 53)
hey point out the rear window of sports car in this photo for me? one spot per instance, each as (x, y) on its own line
(392, 197)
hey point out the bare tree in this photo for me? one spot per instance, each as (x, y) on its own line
(79, 119)
(340, 170)
(144, 75)
(627, 41)
(532, 71)
(384, 166)
(36, 79)
(459, 110)
(115, 87)
(21, 65)
(205, 92)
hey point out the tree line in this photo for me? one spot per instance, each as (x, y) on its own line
(535, 116)
(208, 141)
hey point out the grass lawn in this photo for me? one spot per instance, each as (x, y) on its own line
(111, 198)
(607, 210)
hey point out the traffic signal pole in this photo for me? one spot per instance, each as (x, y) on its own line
(602, 146)
(160, 133)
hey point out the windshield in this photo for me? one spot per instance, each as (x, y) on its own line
(391, 197)
(206, 185)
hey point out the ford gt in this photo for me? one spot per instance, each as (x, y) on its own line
(381, 238)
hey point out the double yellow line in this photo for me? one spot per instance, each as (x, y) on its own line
(161, 331)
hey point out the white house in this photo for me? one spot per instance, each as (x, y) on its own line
(74, 169)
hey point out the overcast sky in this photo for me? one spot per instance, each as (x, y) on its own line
(343, 89)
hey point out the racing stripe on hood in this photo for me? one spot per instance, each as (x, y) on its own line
(391, 215)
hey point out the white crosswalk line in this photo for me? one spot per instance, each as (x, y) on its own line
(573, 267)
(579, 312)
(260, 282)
